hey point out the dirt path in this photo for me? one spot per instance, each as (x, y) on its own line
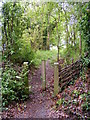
(39, 104)
(40, 107)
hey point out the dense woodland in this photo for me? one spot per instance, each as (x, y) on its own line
(31, 32)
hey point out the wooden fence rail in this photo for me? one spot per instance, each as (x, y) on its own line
(69, 73)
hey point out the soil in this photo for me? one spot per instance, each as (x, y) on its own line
(39, 103)
(42, 104)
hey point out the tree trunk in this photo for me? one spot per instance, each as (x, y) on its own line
(48, 41)
(5, 31)
(74, 36)
(67, 33)
(58, 46)
(80, 45)
(12, 21)
(9, 32)
(48, 34)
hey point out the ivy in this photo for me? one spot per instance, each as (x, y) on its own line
(85, 26)
(13, 86)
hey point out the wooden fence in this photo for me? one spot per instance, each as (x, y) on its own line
(68, 74)
(62, 77)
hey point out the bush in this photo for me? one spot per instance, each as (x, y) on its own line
(45, 55)
(85, 61)
(22, 52)
(13, 86)
(72, 52)
(86, 105)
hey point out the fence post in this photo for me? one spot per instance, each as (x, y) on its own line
(56, 79)
(43, 74)
(25, 68)
(0, 80)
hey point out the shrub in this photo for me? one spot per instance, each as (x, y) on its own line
(22, 53)
(13, 86)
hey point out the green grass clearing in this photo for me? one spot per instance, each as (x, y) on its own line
(45, 55)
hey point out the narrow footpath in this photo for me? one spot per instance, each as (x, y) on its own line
(40, 103)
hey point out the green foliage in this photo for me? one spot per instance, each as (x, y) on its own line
(85, 61)
(44, 55)
(39, 26)
(86, 98)
(14, 23)
(24, 75)
(72, 52)
(76, 93)
(85, 27)
(28, 31)
(60, 102)
(13, 86)
(25, 53)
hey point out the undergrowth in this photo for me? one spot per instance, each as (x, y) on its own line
(13, 86)
(44, 55)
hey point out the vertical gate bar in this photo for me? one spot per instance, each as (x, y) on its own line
(25, 67)
(56, 79)
(43, 74)
(0, 75)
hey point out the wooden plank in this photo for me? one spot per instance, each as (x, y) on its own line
(66, 79)
(69, 73)
(43, 74)
(56, 79)
(65, 83)
(69, 68)
(78, 61)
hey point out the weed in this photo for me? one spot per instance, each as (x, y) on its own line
(45, 55)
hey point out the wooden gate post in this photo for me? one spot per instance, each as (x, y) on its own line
(25, 72)
(43, 74)
(0, 81)
(56, 79)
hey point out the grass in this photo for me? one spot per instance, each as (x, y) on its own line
(52, 56)
(45, 55)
